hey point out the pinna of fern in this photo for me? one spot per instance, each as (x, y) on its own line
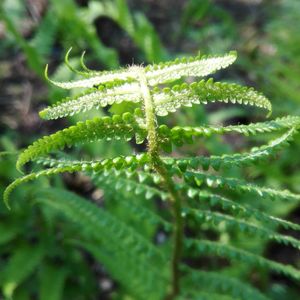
(188, 184)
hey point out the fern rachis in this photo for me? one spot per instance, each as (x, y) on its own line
(185, 182)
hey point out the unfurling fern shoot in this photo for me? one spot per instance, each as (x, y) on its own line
(190, 185)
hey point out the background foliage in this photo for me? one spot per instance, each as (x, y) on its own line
(119, 33)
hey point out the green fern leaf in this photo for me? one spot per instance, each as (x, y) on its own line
(217, 282)
(203, 92)
(20, 266)
(214, 218)
(93, 98)
(193, 66)
(44, 38)
(197, 295)
(181, 135)
(237, 159)
(156, 74)
(118, 239)
(52, 283)
(129, 271)
(117, 127)
(63, 166)
(235, 208)
(8, 232)
(214, 181)
(236, 254)
(95, 221)
(128, 181)
(96, 80)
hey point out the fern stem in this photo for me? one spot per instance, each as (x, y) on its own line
(178, 228)
(158, 165)
(149, 114)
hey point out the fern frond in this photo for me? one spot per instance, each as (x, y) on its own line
(180, 135)
(216, 282)
(129, 271)
(255, 154)
(131, 162)
(241, 210)
(235, 254)
(104, 77)
(214, 181)
(8, 232)
(129, 180)
(203, 92)
(155, 74)
(102, 96)
(45, 35)
(145, 215)
(112, 236)
(52, 283)
(118, 240)
(20, 265)
(214, 218)
(133, 182)
(123, 181)
(193, 66)
(106, 128)
(95, 221)
(165, 101)
(197, 295)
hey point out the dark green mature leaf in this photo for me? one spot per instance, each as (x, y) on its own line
(130, 252)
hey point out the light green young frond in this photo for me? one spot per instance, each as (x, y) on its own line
(204, 92)
(126, 248)
(193, 66)
(155, 74)
(217, 282)
(93, 98)
(125, 75)
(215, 181)
(215, 218)
(107, 128)
(63, 166)
(237, 159)
(86, 71)
(235, 254)
(68, 64)
(241, 210)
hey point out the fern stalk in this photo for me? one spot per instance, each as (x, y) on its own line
(159, 167)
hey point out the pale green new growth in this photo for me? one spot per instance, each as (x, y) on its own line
(143, 269)
(94, 98)
(155, 74)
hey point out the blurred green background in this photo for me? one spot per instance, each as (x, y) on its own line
(37, 261)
